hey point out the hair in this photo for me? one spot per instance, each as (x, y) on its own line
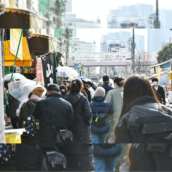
(136, 86)
(29, 96)
(105, 78)
(76, 86)
(64, 87)
(154, 79)
(119, 81)
(129, 155)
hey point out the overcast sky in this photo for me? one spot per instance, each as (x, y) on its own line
(92, 9)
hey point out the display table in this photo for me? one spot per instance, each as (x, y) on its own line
(13, 136)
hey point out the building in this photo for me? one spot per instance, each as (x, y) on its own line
(121, 38)
(82, 47)
(69, 6)
(121, 17)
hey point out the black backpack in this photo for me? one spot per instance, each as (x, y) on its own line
(30, 125)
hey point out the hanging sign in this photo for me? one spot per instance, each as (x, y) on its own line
(40, 78)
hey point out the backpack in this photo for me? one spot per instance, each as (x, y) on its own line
(6, 153)
(30, 125)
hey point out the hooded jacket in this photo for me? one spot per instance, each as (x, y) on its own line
(145, 121)
(102, 108)
(151, 157)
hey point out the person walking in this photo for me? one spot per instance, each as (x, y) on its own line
(52, 112)
(63, 90)
(159, 91)
(87, 91)
(143, 119)
(100, 110)
(106, 85)
(79, 154)
(89, 86)
(105, 156)
(115, 99)
(68, 83)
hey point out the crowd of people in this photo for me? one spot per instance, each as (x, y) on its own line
(126, 127)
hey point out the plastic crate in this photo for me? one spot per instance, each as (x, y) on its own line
(13, 138)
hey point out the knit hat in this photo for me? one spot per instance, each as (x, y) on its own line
(38, 91)
(100, 92)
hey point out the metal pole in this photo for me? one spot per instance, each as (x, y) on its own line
(132, 54)
(157, 22)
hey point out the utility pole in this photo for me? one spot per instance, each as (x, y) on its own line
(157, 22)
(132, 54)
(48, 16)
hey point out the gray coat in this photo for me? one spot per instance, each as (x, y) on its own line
(114, 98)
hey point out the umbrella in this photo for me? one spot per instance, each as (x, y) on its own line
(84, 79)
(15, 76)
(67, 72)
(18, 88)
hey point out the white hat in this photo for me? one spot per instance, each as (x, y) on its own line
(70, 79)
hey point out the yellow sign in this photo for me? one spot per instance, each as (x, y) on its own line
(14, 41)
(159, 73)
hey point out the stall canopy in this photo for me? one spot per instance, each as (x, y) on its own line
(9, 58)
(42, 44)
(19, 18)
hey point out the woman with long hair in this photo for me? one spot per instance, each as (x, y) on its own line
(143, 119)
(82, 159)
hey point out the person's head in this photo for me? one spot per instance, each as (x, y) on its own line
(69, 82)
(118, 82)
(134, 87)
(76, 86)
(106, 79)
(53, 88)
(100, 92)
(155, 81)
(38, 91)
(89, 84)
(63, 90)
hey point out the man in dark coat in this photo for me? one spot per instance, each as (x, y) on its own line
(60, 111)
(106, 85)
(159, 91)
(87, 91)
(150, 157)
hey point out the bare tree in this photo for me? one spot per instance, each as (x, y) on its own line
(89, 71)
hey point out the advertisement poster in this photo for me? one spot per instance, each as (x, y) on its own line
(40, 78)
(14, 41)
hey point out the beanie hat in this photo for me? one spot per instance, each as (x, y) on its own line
(38, 91)
(100, 92)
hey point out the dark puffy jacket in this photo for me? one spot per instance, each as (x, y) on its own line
(107, 87)
(12, 107)
(80, 154)
(147, 123)
(106, 150)
(101, 107)
(31, 162)
(83, 117)
(60, 110)
(88, 93)
(151, 157)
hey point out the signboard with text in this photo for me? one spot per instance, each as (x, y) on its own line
(78, 68)
(40, 78)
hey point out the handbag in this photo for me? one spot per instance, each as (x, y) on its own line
(52, 160)
(30, 125)
(100, 119)
(62, 136)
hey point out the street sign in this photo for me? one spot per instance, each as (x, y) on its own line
(78, 68)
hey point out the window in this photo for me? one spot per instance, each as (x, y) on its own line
(29, 4)
(17, 3)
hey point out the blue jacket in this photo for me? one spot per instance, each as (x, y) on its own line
(107, 87)
(113, 150)
(101, 107)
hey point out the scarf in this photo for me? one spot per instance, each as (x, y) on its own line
(140, 101)
(34, 97)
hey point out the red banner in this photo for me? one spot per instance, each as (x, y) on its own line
(40, 78)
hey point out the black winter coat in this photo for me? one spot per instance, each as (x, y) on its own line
(88, 93)
(79, 154)
(160, 94)
(145, 121)
(28, 158)
(83, 117)
(107, 87)
(60, 110)
(151, 157)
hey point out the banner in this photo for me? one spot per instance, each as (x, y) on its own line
(159, 73)
(40, 77)
(14, 41)
(49, 69)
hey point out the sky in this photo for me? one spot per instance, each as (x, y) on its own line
(94, 9)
